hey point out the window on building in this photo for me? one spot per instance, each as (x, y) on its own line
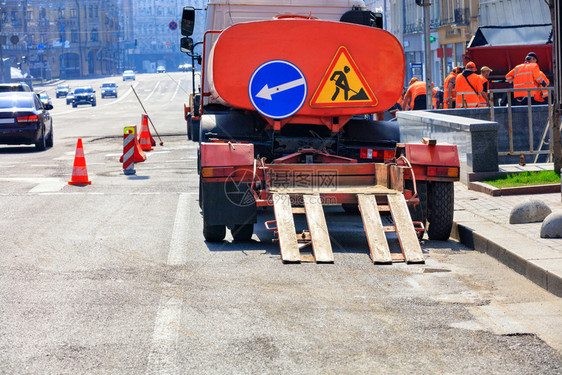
(91, 11)
(73, 13)
(94, 35)
(74, 35)
(61, 12)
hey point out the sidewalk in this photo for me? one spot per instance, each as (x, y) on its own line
(481, 222)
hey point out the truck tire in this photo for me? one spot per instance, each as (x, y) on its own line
(419, 212)
(242, 232)
(350, 208)
(214, 233)
(440, 210)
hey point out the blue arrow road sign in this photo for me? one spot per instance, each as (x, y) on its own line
(277, 89)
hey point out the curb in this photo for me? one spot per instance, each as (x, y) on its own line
(533, 271)
(522, 190)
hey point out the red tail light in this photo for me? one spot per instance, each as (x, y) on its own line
(370, 153)
(442, 172)
(32, 118)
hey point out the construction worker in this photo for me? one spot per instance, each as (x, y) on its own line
(526, 76)
(415, 98)
(469, 88)
(484, 74)
(449, 94)
(437, 97)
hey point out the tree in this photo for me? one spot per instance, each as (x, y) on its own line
(556, 144)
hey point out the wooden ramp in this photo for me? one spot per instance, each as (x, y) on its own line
(319, 237)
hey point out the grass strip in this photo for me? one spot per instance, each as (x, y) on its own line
(524, 179)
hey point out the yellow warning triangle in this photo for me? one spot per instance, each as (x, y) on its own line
(343, 85)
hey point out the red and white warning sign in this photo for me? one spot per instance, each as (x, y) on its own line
(343, 85)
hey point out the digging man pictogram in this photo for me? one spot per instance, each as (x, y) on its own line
(341, 83)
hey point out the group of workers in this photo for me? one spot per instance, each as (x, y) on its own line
(464, 88)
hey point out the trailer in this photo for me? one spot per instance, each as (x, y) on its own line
(289, 117)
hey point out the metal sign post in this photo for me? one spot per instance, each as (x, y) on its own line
(428, 76)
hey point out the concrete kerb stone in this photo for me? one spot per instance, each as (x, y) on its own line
(533, 269)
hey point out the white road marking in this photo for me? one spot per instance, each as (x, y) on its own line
(44, 184)
(129, 91)
(152, 92)
(177, 88)
(163, 355)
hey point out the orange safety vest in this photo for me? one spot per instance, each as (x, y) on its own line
(450, 77)
(416, 89)
(463, 89)
(524, 76)
(485, 88)
(540, 95)
(435, 91)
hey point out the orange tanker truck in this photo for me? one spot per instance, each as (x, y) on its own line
(287, 117)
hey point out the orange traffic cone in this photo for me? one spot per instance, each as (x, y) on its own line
(144, 125)
(79, 172)
(139, 155)
(144, 139)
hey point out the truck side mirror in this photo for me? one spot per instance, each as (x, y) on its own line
(187, 21)
(186, 44)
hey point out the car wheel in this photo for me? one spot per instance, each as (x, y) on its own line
(441, 210)
(74, 105)
(50, 138)
(93, 104)
(41, 143)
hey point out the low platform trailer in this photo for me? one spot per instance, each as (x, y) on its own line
(288, 118)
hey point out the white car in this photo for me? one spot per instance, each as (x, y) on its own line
(160, 69)
(128, 74)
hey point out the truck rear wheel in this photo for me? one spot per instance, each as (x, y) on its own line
(214, 233)
(440, 210)
(243, 232)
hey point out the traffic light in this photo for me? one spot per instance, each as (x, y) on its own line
(432, 39)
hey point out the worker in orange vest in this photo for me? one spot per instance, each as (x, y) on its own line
(484, 74)
(449, 94)
(540, 95)
(469, 88)
(415, 98)
(526, 76)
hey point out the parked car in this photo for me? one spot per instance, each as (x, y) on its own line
(160, 69)
(128, 74)
(84, 95)
(108, 89)
(62, 91)
(21, 86)
(25, 120)
(184, 67)
(45, 98)
(69, 97)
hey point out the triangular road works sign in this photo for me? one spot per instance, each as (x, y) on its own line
(343, 85)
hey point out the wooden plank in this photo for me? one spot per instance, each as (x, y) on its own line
(321, 246)
(286, 231)
(405, 229)
(380, 253)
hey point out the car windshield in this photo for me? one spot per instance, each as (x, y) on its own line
(62, 87)
(83, 90)
(108, 85)
(43, 96)
(16, 102)
(128, 72)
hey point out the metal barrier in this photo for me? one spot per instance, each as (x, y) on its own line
(548, 127)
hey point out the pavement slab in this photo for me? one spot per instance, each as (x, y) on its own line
(481, 222)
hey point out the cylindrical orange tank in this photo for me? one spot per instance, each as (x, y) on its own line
(306, 67)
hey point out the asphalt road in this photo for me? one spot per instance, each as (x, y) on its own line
(115, 277)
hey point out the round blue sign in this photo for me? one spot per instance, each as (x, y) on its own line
(277, 89)
(173, 25)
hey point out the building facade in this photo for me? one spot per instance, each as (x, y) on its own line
(61, 38)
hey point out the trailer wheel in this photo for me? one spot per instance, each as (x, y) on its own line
(214, 233)
(243, 232)
(440, 210)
